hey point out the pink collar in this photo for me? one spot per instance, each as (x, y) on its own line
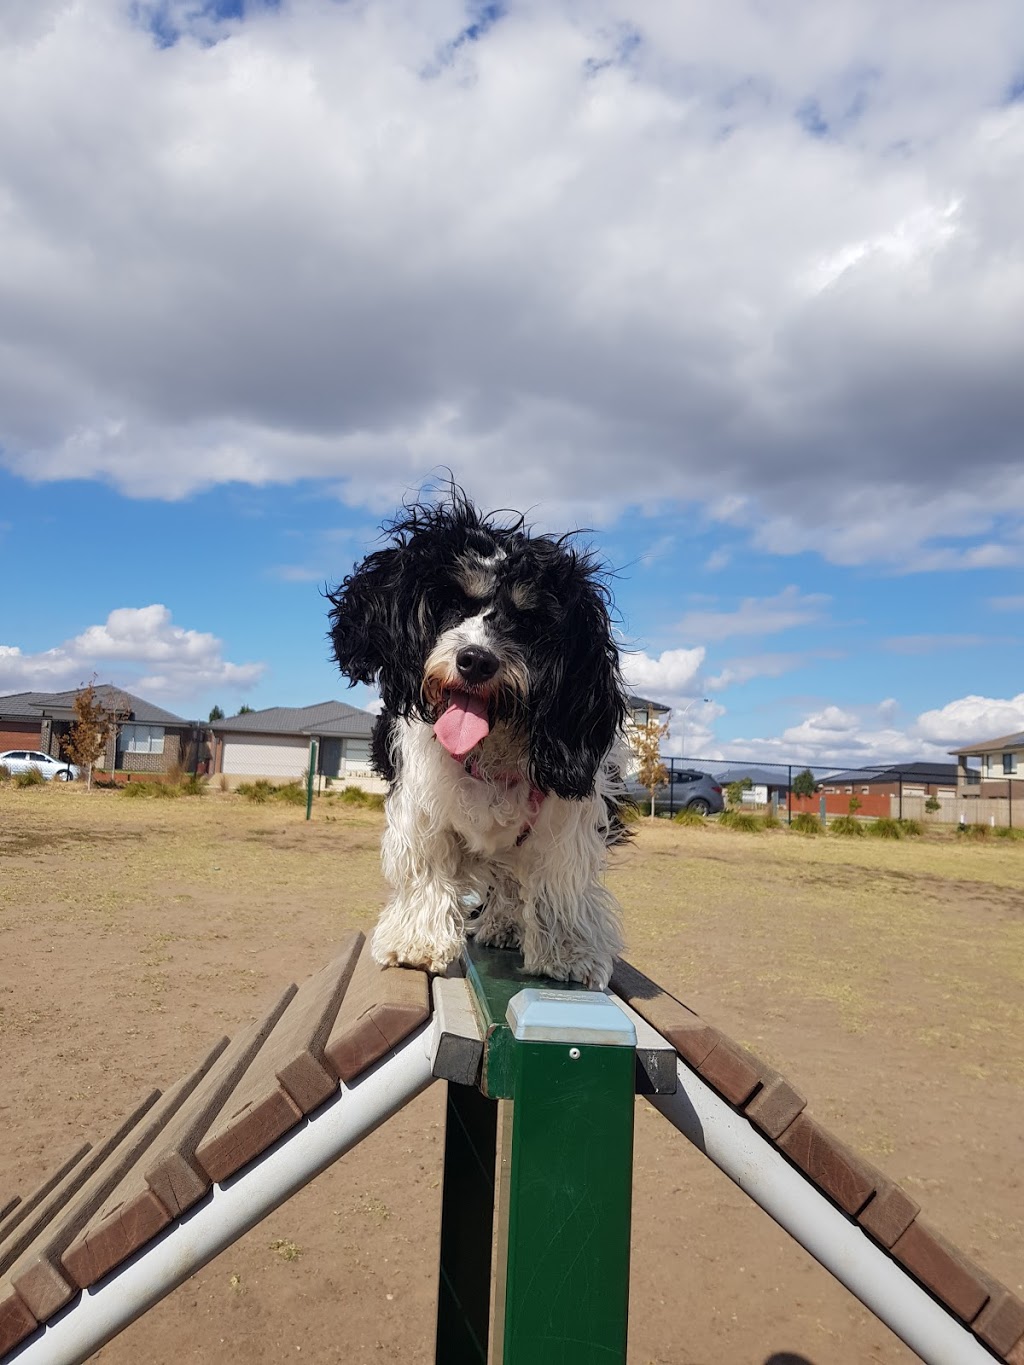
(510, 780)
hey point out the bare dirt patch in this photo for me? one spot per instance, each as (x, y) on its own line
(885, 980)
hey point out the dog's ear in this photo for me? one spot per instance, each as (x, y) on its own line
(376, 625)
(577, 700)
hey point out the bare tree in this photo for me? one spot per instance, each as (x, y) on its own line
(646, 741)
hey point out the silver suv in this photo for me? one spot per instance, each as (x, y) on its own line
(686, 789)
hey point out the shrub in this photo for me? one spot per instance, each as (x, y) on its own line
(256, 792)
(743, 820)
(911, 827)
(686, 817)
(375, 800)
(5, 773)
(291, 793)
(972, 831)
(885, 827)
(193, 785)
(932, 805)
(1005, 832)
(770, 819)
(162, 791)
(855, 804)
(353, 796)
(31, 777)
(846, 826)
(806, 823)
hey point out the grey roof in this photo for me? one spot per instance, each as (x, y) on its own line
(636, 703)
(60, 705)
(917, 772)
(762, 777)
(325, 718)
(984, 746)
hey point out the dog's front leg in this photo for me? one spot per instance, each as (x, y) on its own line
(423, 924)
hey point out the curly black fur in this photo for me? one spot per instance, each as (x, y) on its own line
(388, 613)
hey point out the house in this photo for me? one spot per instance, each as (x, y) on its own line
(640, 710)
(768, 785)
(145, 739)
(907, 779)
(275, 744)
(1000, 767)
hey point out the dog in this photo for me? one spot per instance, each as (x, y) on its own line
(503, 705)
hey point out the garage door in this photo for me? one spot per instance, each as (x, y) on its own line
(265, 756)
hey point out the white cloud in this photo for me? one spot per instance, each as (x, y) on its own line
(600, 257)
(672, 674)
(773, 665)
(756, 616)
(139, 648)
(972, 718)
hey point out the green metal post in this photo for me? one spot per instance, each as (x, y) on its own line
(313, 748)
(566, 1057)
(467, 1224)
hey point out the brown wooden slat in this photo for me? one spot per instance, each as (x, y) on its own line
(691, 1037)
(382, 1006)
(774, 1107)
(16, 1322)
(1000, 1324)
(1015, 1355)
(38, 1275)
(6, 1205)
(168, 1179)
(289, 1076)
(887, 1216)
(949, 1274)
(839, 1172)
(65, 1190)
(24, 1208)
(728, 1071)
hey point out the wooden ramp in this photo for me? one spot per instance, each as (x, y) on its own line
(123, 1220)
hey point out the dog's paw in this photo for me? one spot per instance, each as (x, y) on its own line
(590, 971)
(426, 956)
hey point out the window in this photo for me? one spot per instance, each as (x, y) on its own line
(142, 739)
(357, 750)
(1009, 764)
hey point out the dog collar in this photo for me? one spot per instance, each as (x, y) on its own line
(512, 779)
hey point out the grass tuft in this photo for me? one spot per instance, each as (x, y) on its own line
(885, 827)
(1005, 832)
(742, 820)
(911, 828)
(806, 823)
(972, 831)
(31, 777)
(847, 826)
(684, 817)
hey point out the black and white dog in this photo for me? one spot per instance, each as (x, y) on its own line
(503, 703)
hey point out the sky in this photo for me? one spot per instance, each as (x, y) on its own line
(736, 289)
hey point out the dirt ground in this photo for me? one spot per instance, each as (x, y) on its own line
(885, 980)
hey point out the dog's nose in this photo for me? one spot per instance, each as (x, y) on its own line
(476, 664)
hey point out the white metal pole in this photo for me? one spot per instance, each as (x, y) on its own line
(881, 1284)
(235, 1207)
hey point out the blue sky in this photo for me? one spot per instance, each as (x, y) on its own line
(742, 293)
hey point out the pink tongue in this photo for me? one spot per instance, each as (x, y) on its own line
(463, 725)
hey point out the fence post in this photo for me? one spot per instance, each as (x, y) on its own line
(313, 749)
(789, 797)
(901, 795)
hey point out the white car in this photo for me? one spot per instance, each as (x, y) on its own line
(21, 760)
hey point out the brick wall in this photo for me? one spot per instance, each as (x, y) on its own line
(15, 736)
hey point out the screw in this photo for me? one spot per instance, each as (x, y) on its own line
(574, 1053)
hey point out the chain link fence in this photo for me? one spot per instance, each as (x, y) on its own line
(933, 793)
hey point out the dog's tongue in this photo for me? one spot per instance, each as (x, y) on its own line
(463, 724)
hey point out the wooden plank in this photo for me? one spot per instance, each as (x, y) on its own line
(16, 1322)
(458, 1046)
(887, 1216)
(16, 1215)
(38, 1275)
(839, 1172)
(951, 1277)
(1015, 1355)
(382, 1006)
(7, 1204)
(168, 1179)
(727, 1070)
(775, 1105)
(691, 1037)
(64, 1191)
(289, 1076)
(1000, 1324)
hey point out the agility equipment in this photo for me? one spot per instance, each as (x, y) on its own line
(535, 1222)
